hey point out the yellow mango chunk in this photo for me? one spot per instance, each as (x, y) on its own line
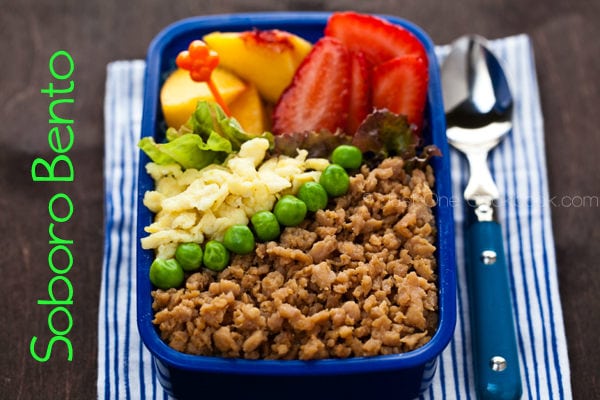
(267, 58)
(179, 94)
(248, 109)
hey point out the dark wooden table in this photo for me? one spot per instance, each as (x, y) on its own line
(565, 36)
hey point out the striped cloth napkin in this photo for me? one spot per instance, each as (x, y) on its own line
(125, 368)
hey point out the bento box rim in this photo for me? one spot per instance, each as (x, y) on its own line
(446, 251)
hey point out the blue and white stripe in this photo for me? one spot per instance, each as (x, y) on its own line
(125, 369)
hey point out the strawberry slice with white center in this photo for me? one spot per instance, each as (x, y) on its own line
(400, 85)
(318, 97)
(379, 39)
(360, 91)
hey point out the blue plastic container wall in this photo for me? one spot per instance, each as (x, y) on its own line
(399, 376)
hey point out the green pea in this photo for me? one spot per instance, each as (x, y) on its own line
(189, 256)
(216, 255)
(166, 273)
(290, 210)
(314, 195)
(348, 156)
(335, 180)
(239, 239)
(265, 226)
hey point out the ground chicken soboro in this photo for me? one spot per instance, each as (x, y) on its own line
(358, 279)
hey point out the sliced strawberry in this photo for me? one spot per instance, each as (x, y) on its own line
(400, 85)
(317, 99)
(379, 39)
(360, 91)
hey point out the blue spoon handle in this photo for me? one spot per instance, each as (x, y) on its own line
(496, 362)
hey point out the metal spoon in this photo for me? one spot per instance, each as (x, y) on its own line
(478, 106)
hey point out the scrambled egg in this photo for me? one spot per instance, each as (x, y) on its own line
(198, 205)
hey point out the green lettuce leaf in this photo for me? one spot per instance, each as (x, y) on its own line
(386, 134)
(383, 134)
(188, 150)
(216, 142)
(318, 144)
(206, 138)
(210, 118)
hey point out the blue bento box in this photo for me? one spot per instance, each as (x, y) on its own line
(399, 376)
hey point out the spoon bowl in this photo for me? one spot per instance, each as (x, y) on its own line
(477, 98)
(478, 106)
(475, 89)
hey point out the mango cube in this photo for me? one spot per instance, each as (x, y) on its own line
(179, 94)
(267, 58)
(249, 111)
